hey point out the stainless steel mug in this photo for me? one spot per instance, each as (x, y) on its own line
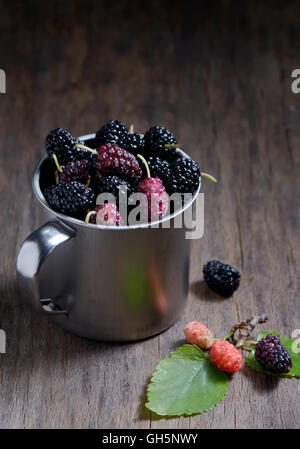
(104, 283)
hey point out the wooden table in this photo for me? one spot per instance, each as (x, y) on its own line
(221, 78)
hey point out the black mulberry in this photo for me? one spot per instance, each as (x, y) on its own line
(272, 355)
(222, 278)
(70, 198)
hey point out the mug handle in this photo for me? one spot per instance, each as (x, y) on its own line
(34, 251)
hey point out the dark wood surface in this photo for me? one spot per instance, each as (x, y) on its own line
(220, 77)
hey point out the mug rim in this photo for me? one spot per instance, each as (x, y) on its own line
(75, 221)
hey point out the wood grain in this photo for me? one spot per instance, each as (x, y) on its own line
(219, 77)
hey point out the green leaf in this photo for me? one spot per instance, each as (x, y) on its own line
(287, 342)
(186, 382)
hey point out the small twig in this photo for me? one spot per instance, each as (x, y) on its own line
(241, 331)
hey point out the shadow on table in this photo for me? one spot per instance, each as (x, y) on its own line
(146, 414)
(202, 291)
(35, 343)
(262, 383)
(33, 339)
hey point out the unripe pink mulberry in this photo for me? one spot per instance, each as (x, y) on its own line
(226, 357)
(198, 334)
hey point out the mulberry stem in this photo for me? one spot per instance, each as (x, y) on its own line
(209, 177)
(250, 342)
(248, 345)
(57, 163)
(227, 337)
(146, 165)
(131, 129)
(88, 183)
(78, 145)
(89, 214)
(169, 145)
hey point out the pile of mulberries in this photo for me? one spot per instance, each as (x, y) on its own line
(112, 165)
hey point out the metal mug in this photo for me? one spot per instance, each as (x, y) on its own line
(104, 283)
